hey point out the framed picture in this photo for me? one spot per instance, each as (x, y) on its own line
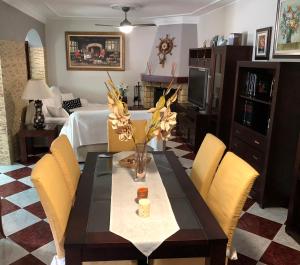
(287, 34)
(100, 51)
(263, 43)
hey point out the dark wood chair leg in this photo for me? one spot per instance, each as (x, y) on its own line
(1, 227)
(73, 256)
(217, 255)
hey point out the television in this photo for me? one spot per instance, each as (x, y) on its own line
(198, 86)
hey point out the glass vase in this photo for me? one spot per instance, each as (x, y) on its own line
(140, 162)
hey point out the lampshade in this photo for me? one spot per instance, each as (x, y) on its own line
(126, 28)
(35, 90)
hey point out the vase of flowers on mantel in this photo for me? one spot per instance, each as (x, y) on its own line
(160, 125)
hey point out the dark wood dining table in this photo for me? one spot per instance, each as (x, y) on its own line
(88, 237)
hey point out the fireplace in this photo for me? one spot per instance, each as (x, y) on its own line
(153, 90)
(155, 78)
(159, 91)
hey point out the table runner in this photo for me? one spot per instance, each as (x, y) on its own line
(145, 233)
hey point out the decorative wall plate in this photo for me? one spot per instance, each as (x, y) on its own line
(165, 47)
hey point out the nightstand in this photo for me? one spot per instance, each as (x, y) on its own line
(28, 132)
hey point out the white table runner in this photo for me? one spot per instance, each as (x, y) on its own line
(145, 233)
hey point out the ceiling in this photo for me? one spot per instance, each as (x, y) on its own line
(146, 10)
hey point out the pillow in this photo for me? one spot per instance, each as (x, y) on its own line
(55, 99)
(57, 112)
(67, 96)
(55, 90)
(84, 102)
(71, 104)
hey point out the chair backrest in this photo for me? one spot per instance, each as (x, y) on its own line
(115, 145)
(229, 190)
(206, 162)
(55, 198)
(65, 156)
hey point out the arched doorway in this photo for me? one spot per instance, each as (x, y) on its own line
(35, 55)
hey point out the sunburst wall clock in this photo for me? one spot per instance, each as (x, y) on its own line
(165, 47)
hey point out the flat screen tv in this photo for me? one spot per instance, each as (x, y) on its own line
(198, 86)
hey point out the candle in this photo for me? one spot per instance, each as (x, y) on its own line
(144, 208)
(142, 193)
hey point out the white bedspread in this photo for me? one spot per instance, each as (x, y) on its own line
(88, 127)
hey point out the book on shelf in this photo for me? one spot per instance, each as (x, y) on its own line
(259, 86)
(251, 82)
(248, 113)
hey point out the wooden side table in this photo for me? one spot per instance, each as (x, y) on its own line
(29, 132)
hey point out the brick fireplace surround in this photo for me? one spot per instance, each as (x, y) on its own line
(150, 83)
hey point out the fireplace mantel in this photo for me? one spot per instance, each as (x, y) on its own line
(164, 79)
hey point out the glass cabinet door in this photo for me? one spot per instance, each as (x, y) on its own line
(217, 82)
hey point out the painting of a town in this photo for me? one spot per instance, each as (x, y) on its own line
(95, 51)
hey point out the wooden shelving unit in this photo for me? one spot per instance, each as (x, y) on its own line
(216, 118)
(293, 219)
(200, 57)
(265, 126)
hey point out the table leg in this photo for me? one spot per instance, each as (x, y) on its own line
(217, 255)
(1, 227)
(73, 256)
(142, 262)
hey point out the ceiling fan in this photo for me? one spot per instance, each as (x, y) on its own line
(126, 26)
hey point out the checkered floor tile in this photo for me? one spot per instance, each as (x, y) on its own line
(260, 236)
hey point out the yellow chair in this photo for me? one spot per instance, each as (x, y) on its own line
(47, 177)
(206, 162)
(115, 145)
(55, 198)
(229, 190)
(225, 198)
(64, 154)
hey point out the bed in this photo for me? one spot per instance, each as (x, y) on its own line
(86, 130)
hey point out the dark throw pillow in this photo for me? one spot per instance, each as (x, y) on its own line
(71, 104)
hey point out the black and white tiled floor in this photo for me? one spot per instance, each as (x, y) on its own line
(259, 239)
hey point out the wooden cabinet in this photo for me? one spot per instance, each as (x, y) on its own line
(193, 125)
(200, 57)
(293, 219)
(221, 61)
(265, 126)
(223, 68)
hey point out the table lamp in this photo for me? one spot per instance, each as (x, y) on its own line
(37, 90)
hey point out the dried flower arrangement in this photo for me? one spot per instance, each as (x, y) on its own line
(162, 120)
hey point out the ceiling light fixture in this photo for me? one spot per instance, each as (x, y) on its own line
(126, 29)
(126, 26)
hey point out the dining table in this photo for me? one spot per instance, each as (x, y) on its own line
(88, 237)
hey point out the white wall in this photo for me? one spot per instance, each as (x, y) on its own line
(240, 16)
(185, 38)
(90, 84)
(14, 25)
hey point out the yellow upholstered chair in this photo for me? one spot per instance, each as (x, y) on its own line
(115, 145)
(51, 186)
(48, 179)
(65, 156)
(229, 191)
(226, 197)
(206, 162)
